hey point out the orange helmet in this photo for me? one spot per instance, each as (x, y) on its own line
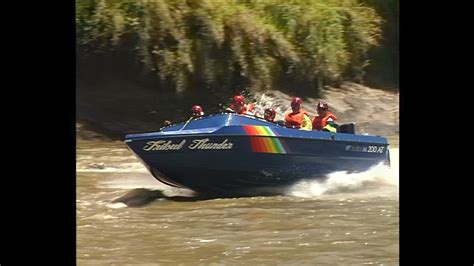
(196, 109)
(239, 99)
(296, 102)
(269, 114)
(323, 105)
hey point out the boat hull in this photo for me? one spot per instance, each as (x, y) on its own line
(251, 164)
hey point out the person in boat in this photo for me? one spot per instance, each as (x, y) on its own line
(166, 123)
(325, 120)
(197, 111)
(297, 117)
(239, 106)
(269, 114)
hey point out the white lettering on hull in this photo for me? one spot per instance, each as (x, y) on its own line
(197, 144)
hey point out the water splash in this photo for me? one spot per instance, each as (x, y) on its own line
(116, 205)
(380, 178)
(135, 167)
(274, 100)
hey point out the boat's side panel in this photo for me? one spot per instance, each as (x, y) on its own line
(250, 145)
(209, 163)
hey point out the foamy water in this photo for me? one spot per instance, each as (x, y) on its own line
(379, 178)
(122, 168)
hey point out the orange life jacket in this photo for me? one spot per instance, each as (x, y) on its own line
(295, 119)
(320, 122)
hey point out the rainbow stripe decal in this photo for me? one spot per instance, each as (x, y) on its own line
(259, 144)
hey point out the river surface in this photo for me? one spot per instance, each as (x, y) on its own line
(349, 219)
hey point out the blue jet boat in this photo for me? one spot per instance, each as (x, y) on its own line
(228, 154)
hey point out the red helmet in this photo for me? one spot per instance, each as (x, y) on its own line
(323, 105)
(196, 109)
(269, 114)
(239, 99)
(296, 102)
